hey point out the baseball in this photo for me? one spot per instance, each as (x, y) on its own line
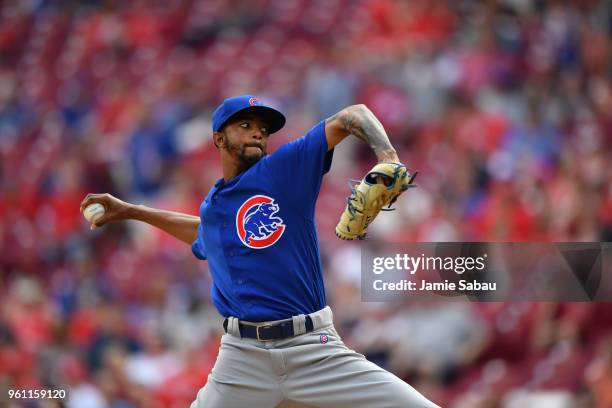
(93, 212)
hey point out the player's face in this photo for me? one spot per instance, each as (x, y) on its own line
(246, 138)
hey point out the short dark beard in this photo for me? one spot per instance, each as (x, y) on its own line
(240, 152)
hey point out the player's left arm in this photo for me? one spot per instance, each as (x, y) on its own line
(368, 197)
(359, 121)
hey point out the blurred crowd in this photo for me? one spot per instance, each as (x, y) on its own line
(504, 107)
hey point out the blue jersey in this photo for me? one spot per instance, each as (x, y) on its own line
(258, 234)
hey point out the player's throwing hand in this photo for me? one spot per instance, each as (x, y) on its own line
(114, 208)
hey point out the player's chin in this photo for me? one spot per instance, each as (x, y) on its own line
(252, 157)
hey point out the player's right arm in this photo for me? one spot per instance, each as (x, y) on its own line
(179, 225)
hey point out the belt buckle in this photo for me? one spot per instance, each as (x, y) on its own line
(265, 326)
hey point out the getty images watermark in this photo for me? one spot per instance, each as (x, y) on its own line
(487, 271)
(412, 264)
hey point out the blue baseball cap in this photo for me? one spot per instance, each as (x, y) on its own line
(231, 106)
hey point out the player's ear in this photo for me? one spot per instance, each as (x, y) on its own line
(218, 139)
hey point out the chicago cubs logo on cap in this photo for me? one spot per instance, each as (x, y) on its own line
(254, 102)
(256, 223)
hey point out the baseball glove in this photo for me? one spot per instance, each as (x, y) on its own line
(368, 198)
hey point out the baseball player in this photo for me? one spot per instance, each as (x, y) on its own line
(257, 231)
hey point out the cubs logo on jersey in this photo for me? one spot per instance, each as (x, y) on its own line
(257, 224)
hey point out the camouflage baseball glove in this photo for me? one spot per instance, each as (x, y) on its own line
(368, 198)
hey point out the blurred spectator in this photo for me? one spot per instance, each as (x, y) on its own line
(599, 374)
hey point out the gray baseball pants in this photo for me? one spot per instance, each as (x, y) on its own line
(311, 369)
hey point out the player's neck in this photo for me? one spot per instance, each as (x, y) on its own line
(232, 168)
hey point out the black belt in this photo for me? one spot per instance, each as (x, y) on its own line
(269, 332)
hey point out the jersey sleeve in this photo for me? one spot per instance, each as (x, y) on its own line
(298, 167)
(197, 247)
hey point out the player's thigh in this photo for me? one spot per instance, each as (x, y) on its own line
(350, 382)
(220, 395)
(331, 375)
(242, 377)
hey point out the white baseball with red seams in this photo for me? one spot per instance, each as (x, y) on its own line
(94, 212)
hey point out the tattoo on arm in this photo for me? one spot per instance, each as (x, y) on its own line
(360, 121)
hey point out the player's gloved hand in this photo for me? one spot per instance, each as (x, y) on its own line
(369, 196)
(114, 208)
